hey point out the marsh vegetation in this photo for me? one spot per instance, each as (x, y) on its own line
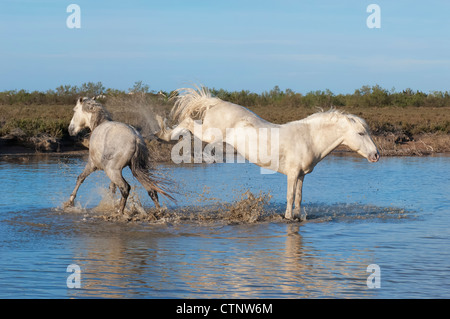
(403, 122)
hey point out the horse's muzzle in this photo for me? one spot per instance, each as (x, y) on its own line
(72, 130)
(374, 157)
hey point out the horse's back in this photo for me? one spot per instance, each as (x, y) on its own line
(113, 142)
(230, 115)
(114, 132)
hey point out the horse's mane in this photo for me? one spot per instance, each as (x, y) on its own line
(99, 113)
(334, 114)
(192, 103)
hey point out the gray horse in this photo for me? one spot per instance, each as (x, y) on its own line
(113, 146)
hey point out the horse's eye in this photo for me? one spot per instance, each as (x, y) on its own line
(362, 133)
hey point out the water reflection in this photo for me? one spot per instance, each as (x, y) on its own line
(358, 214)
(222, 262)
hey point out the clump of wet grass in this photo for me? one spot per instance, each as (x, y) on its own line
(248, 209)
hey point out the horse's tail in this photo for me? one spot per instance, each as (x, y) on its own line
(192, 103)
(142, 169)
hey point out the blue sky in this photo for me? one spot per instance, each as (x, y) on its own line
(235, 45)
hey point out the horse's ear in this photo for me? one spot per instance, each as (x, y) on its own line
(92, 107)
(94, 98)
(80, 99)
(350, 120)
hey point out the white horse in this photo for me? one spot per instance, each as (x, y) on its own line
(113, 146)
(300, 144)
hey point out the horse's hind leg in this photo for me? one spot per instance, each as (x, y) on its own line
(142, 176)
(87, 170)
(117, 179)
(112, 188)
(154, 196)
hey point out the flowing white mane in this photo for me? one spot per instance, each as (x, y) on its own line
(334, 114)
(192, 103)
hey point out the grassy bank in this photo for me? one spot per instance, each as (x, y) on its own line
(396, 130)
(402, 123)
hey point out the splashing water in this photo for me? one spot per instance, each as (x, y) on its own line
(248, 208)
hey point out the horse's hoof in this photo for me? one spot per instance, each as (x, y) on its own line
(68, 204)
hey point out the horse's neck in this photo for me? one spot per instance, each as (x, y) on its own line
(325, 138)
(95, 122)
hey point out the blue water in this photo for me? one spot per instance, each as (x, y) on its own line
(394, 214)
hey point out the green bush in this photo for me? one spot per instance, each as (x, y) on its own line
(34, 127)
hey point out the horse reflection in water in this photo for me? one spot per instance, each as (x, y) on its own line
(300, 144)
(113, 146)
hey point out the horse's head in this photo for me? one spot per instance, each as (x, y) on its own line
(357, 137)
(80, 118)
(87, 113)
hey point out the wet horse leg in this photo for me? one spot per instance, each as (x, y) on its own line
(112, 188)
(298, 196)
(90, 167)
(168, 135)
(154, 196)
(291, 187)
(115, 175)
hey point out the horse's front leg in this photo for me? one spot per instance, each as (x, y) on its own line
(167, 134)
(164, 132)
(298, 196)
(291, 187)
(87, 170)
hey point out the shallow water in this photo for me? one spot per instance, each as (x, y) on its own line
(216, 242)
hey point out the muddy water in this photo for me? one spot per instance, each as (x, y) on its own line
(225, 237)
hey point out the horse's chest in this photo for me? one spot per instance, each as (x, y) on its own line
(307, 165)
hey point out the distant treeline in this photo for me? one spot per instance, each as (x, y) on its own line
(66, 94)
(366, 96)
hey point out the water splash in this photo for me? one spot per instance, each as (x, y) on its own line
(248, 208)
